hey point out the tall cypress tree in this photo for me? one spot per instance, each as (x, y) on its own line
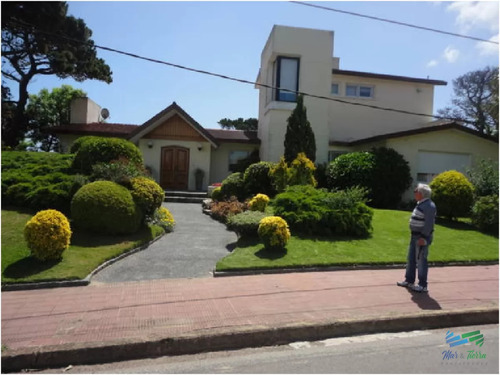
(299, 135)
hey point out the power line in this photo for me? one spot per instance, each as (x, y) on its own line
(393, 22)
(162, 62)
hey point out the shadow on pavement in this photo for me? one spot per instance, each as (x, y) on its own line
(424, 301)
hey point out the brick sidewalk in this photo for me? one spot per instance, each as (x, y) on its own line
(121, 313)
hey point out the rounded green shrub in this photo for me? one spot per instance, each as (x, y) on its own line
(96, 150)
(245, 224)
(453, 194)
(258, 180)
(47, 234)
(233, 186)
(485, 214)
(106, 207)
(258, 203)
(274, 233)
(147, 194)
(349, 170)
(217, 194)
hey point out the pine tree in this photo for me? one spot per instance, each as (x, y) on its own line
(299, 135)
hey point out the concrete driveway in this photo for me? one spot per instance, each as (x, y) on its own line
(191, 251)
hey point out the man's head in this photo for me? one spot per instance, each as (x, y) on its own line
(422, 191)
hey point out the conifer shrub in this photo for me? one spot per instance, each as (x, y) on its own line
(258, 203)
(106, 207)
(301, 171)
(47, 235)
(453, 194)
(246, 224)
(258, 180)
(485, 214)
(279, 175)
(94, 150)
(147, 194)
(164, 218)
(120, 171)
(233, 186)
(274, 233)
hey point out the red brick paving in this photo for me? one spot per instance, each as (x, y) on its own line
(107, 313)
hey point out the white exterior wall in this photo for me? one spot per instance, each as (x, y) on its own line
(314, 48)
(84, 111)
(66, 140)
(197, 159)
(219, 165)
(349, 122)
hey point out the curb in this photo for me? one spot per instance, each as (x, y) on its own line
(82, 282)
(344, 268)
(76, 354)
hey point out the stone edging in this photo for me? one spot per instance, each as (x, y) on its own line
(82, 282)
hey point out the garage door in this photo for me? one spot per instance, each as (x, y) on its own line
(432, 163)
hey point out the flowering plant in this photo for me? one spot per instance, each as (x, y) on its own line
(258, 203)
(274, 232)
(164, 218)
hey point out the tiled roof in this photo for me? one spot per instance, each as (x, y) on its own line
(389, 77)
(95, 128)
(236, 136)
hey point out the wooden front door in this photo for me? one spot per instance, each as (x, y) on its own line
(174, 168)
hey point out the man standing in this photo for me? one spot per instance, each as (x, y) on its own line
(421, 226)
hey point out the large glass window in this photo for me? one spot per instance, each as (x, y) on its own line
(235, 157)
(287, 77)
(359, 91)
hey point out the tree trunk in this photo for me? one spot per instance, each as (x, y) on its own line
(15, 133)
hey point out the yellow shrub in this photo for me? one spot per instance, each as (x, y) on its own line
(47, 234)
(258, 203)
(164, 218)
(274, 232)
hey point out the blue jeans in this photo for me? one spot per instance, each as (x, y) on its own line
(417, 260)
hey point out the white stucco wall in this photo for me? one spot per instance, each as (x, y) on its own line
(84, 111)
(197, 159)
(66, 140)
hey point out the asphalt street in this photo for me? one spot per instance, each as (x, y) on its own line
(190, 251)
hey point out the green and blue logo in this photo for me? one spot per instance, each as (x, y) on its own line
(456, 340)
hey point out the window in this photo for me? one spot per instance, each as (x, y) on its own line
(332, 155)
(335, 89)
(287, 77)
(235, 157)
(425, 177)
(359, 91)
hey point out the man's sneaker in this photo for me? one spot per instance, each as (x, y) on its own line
(405, 284)
(419, 289)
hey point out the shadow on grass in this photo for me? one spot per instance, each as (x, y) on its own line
(271, 254)
(424, 301)
(87, 239)
(27, 267)
(332, 238)
(453, 224)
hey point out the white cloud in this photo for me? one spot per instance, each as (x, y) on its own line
(432, 63)
(451, 54)
(479, 14)
(488, 49)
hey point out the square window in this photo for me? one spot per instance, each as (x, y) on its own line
(335, 89)
(351, 90)
(235, 157)
(365, 92)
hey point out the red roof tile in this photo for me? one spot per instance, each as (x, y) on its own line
(95, 128)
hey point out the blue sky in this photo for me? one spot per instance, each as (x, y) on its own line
(228, 37)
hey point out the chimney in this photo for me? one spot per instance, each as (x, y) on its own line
(84, 111)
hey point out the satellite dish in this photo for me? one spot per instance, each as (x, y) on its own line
(104, 113)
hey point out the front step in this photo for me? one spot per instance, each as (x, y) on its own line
(185, 196)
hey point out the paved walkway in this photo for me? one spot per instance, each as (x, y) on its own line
(116, 321)
(191, 250)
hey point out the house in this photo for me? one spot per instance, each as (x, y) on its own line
(341, 113)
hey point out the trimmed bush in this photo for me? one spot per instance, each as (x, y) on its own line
(223, 210)
(147, 194)
(106, 207)
(279, 175)
(314, 211)
(246, 224)
(257, 179)
(453, 194)
(119, 171)
(349, 170)
(258, 203)
(94, 150)
(274, 233)
(217, 194)
(391, 178)
(163, 217)
(233, 186)
(302, 171)
(485, 214)
(47, 234)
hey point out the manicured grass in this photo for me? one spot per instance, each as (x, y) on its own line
(86, 252)
(453, 242)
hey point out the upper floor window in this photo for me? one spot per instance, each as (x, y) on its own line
(286, 77)
(359, 91)
(335, 89)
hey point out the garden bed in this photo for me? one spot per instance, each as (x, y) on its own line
(86, 252)
(454, 242)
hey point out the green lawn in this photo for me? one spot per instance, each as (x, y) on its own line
(453, 242)
(86, 252)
